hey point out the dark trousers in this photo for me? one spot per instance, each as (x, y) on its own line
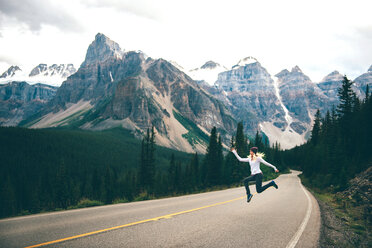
(258, 179)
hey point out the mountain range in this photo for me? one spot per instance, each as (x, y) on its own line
(114, 87)
(53, 75)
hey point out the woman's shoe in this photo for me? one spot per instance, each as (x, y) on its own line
(249, 197)
(275, 185)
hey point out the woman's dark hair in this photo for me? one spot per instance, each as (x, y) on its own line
(254, 150)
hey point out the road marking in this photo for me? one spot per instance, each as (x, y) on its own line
(300, 230)
(133, 223)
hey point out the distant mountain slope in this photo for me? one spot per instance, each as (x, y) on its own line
(128, 89)
(52, 75)
(19, 100)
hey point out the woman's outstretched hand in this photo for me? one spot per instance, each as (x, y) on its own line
(232, 149)
(276, 170)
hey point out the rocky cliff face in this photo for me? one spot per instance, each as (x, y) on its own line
(281, 106)
(301, 97)
(250, 94)
(362, 81)
(115, 88)
(329, 86)
(19, 100)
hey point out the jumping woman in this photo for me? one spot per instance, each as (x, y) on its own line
(254, 160)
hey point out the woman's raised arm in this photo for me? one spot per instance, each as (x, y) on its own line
(238, 157)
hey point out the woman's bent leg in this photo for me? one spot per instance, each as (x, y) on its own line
(246, 183)
(259, 187)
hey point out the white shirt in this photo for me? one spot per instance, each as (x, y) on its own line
(255, 165)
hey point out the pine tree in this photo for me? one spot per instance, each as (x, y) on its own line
(367, 94)
(212, 160)
(147, 165)
(219, 162)
(241, 145)
(151, 159)
(7, 198)
(345, 94)
(143, 163)
(61, 187)
(344, 112)
(258, 141)
(178, 177)
(172, 174)
(195, 175)
(316, 129)
(109, 185)
(241, 141)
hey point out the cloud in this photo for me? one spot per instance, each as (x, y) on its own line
(8, 60)
(143, 8)
(35, 13)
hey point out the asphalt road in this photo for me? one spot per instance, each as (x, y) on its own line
(284, 217)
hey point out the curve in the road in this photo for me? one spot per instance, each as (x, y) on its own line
(301, 229)
(292, 243)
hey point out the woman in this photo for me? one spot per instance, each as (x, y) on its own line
(256, 173)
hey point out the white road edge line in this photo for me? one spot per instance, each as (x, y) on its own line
(300, 230)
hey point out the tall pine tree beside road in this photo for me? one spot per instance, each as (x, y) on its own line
(147, 161)
(213, 162)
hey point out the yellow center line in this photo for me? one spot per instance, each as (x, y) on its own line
(133, 223)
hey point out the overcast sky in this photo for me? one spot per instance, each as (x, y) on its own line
(318, 36)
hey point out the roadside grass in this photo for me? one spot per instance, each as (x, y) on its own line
(355, 216)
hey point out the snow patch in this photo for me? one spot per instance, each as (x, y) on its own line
(112, 80)
(209, 75)
(246, 61)
(287, 117)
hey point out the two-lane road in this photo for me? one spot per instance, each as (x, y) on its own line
(287, 217)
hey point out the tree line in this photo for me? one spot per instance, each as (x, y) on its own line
(44, 170)
(218, 168)
(340, 143)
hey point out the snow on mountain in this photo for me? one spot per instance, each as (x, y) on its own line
(246, 61)
(52, 75)
(178, 66)
(11, 72)
(207, 72)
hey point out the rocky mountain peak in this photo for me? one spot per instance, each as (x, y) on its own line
(10, 72)
(296, 69)
(55, 70)
(246, 61)
(38, 70)
(210, 65)
(283, 73)
(333, 76)
(101, 49)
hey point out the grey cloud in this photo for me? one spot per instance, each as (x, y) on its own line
(34, 13)
(9, 60)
